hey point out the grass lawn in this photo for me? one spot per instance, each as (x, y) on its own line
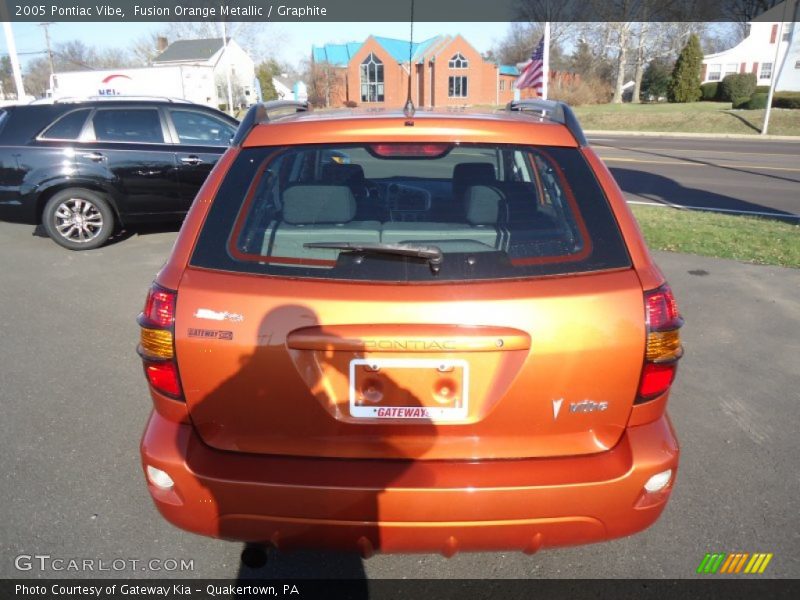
(747, 239)
(694, 117)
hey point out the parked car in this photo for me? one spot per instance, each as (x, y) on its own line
(454, 338)
(81, 169)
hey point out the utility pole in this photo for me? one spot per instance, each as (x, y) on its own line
(46, 27)
(12, 55)
(227, 68)
(777, 68)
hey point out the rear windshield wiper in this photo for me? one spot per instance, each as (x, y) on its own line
(432, 254)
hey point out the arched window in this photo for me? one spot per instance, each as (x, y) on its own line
(458, 61)
(372, 79)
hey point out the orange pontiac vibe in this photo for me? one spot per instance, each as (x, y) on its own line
(399, 331)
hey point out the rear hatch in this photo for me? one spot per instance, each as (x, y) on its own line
(306, 326)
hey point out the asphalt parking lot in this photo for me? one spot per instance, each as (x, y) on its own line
(74, 403)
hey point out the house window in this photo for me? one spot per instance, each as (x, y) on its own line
(457, 87)
(797, 65)
(730, 68)
(372, 79)
(766, 71)
(458, 62)
(786, 31)
(502, 85)
(714, 72)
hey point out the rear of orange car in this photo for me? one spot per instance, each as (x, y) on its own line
(405, 334)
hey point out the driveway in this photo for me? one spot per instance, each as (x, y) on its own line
(74, 403)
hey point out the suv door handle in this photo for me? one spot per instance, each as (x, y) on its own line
(191, 160)
(95, 156)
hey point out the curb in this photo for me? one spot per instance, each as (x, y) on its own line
(719, 136)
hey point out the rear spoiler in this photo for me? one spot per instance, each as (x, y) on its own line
(553, 111)
(260, 113)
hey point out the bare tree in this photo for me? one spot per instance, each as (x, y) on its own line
(260, 40)
(521, 38)
(325, 82)
(742, 12)
(145, 48)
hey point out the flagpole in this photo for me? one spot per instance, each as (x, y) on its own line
(546, 60)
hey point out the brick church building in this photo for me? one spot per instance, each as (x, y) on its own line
(445, 70)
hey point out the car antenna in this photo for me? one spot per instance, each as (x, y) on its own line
(408, 109)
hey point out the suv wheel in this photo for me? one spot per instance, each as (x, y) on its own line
(78, 219)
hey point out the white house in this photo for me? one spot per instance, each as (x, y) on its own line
(283, 86)
(756, 54)
(289, 91)
(222, 58)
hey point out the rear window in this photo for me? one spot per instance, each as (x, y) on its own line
(134, 125)
(68, 127)
(347, 211)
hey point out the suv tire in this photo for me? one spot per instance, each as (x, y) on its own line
(78, 219)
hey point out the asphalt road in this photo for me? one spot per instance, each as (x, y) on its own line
(729, 175)
(74, 403)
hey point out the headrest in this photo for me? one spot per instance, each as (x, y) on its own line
(482, 204)
(313, 204)
(473, 173)
(338, 174)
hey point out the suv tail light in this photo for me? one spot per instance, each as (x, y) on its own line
(663, 343)
(157, 342)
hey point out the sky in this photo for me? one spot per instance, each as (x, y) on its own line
(292, 40)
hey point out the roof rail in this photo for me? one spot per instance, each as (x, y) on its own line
(260, 113)
(552, 110)
(121, 98)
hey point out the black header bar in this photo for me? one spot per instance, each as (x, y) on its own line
(394, 10)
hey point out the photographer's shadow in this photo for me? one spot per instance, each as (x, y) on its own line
(302, 393)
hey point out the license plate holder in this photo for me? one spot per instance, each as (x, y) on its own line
(444, 384)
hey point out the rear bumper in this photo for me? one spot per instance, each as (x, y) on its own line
(410, 506)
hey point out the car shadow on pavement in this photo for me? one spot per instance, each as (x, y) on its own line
(265, 563)
(655, 188)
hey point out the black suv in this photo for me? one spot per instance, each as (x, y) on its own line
(81, 169)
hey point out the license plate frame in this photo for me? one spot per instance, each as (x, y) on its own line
(428, 414)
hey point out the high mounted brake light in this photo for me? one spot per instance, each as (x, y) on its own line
(402, 150)
(157, 342)
(663, 343)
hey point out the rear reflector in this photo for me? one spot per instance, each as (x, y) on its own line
(656, 379)
(159, 478)
(163, 376)
(658, 481)
(156, 343)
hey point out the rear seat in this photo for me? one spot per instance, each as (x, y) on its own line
(317, 213)
(483, 206)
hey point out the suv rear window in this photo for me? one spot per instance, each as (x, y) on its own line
(494, 211)
(68, 127)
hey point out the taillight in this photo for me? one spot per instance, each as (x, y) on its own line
(157, 341)
(164, 377)
(663, 343)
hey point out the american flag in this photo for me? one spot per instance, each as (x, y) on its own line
(533, 70)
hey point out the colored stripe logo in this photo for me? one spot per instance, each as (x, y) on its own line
(734, 563)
